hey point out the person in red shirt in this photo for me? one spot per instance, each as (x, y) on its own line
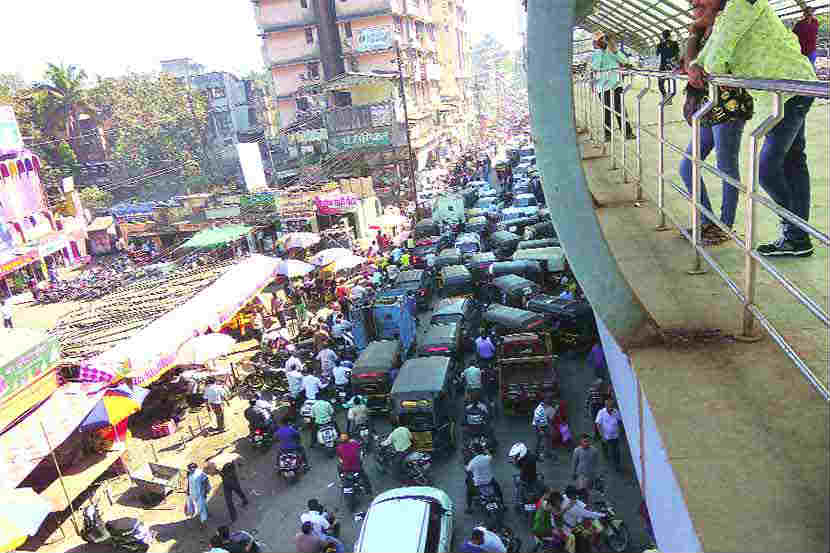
(807, 32)
(349, 456)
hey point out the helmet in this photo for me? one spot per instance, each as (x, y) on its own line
(517, 452)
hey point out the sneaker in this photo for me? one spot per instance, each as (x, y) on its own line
(785, 246)
(631, 136)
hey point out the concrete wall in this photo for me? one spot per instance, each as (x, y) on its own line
(284, 13)
(290, 46)
(673, 527)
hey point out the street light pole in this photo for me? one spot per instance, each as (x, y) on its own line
(402, 91)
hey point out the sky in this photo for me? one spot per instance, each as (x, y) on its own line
(110, 37)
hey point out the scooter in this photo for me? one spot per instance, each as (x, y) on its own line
(261, 437)
(327, 437)
(126, 534)
(289, 465)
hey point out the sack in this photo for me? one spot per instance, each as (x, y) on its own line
(732, 103)
(565, 433)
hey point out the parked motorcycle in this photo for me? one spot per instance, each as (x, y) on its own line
(491, 505)
(289, 465)
(363, 434)
(327, 437)
(125, 534)
(352, 486)
(261, 438)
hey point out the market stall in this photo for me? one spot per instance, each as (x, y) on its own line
(151, 351)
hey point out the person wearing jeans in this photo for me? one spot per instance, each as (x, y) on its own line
(748, 40)
(604, 59)
(726, 139)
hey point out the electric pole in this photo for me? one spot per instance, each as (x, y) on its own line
(402, 90)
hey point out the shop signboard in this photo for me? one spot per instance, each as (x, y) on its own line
(262, 201)
(374, 38)
(310, 135)
(39, 389)
(11, 141)
(21, 371)
(362, 139)
(336, 204)
(12, 265)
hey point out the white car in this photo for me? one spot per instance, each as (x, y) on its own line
(407, 520)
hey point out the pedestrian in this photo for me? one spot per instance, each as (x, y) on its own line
(317, 516)
(604, 60)
(584, 465)
(216, 545)
(6, 311)
(230, 486)
(216, 396)
(307, 541)
(542, 416)
(321, 337)
(608, 425)
(594, 401)
(277, 306)
(198, 488)
(596, 359)
(472, 380)
(807, 32)
(750, 41)
(311, 385)
(668, 51)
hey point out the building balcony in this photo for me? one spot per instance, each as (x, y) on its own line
(354, 118)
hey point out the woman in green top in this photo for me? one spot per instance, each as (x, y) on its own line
(749, 40)
(603, 60)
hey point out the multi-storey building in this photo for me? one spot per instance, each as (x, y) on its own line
(371, 32)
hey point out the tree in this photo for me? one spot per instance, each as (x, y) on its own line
(157, 131)
(11, 84)
(63, 99)
(94, 197)
(550, 26)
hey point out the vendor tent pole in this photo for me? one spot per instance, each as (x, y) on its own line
(60, 477)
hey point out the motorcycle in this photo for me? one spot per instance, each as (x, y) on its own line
(261, 438)
(289, 465)
(527, 496)
(327, 437)
(352, 486)
(473, 442)
(491, 505)
(416, 464)
(126, 534)
(362, 433)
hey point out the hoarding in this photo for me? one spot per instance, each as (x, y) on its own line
(18, 373)
(374, 38)
(310, 135)
(251, 160)
(363, 139)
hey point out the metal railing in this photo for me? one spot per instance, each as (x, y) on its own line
(589, 110)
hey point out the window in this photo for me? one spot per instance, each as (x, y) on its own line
(309, 35)
(347, 29)
(342, 99)
(304, 3)
(313, 70)
(302, 104)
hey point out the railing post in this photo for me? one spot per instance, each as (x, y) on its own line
(638, 187)
(661, 160)
(694, 204)
(750, 217)
(610, 110)
(624, 125)
(590, 110)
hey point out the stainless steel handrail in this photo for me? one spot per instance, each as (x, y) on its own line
(744, 291)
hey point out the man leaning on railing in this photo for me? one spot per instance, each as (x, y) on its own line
(748, 40)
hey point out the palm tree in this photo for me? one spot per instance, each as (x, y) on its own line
(65, 100)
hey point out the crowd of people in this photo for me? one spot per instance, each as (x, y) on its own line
(745, 39)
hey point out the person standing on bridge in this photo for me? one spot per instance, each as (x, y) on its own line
(668, 51)
(604, 61)
(749, 41)
(807, 32)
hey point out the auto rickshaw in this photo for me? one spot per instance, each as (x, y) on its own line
(575, 328)
(504, 243)
(455, 281)
(525, 268)
(525, 361)
(427, 227)
(538, 231)
(479, 225)
(447, 257)
(537, 244)
(552, 259)
(422, 400)
(510, 290)
(443, 340)
(518, 225)
(374, 371)
(478, 265)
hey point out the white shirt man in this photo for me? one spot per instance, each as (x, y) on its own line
(295, 382)
(358, 292)
(341, 376)
(293, 363)
(492, 542)
(472, 377)
(312, 386)
(319, 523)
(608, 419)
(481, 469)
(574, 511)
(327, 359)
(215, 394)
